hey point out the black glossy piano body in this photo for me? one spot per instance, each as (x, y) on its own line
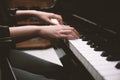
(98, 22)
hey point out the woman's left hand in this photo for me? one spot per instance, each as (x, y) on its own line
(45, 16)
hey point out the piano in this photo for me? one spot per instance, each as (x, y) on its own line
(96, 55)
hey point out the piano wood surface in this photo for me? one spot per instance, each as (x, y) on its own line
(35, 43)
(28, 4)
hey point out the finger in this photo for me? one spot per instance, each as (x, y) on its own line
(68, 37)
(73, 33)
(72, 29)
(69, 33)
(58, 18)
(77, 33)
(50, 22)
(55, 21)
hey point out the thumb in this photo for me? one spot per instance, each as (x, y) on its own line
(54, 21)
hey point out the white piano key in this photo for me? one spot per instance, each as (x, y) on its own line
(94, 57)
(109, 72)
(114, 77)
(102, 62)
(97, 65)
(81, 46)
(78, 54)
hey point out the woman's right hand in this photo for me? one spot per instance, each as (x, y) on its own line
(58, 32)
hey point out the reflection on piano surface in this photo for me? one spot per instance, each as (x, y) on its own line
(99, 44)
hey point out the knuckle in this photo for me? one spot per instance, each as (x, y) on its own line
(67, 26)
(60, 16)
(72, 29)
(52, 14)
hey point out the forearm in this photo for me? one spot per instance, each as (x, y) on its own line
(44, 16)
(28, 13)
(49, 32)
(23, 32)
(24, 14)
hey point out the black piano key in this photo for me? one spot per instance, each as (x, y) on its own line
(113, 58)
(89, 42)
(85, 38)
(93, 45)
(118, 65)
(104, 54)
(81, 36)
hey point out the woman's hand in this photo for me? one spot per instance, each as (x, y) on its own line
(52, 32)
(58, 32)
(45, 16)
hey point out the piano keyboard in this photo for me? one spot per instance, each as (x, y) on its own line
(98, 66)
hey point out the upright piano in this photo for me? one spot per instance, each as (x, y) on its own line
(98, 49)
